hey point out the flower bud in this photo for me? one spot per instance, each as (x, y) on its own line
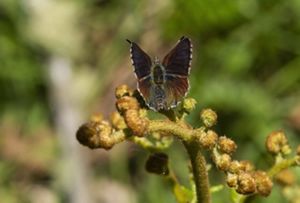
(125, 103)
(226, 145)
(232, 179)
(189, 104)
(122, 90)
(234, 167)
(246, 184)
(95, 135)
(222, 161)
(246, 166)
(118, 121)
(209, 139)
(209, 117)
(277, 142)
(136, 123)
(263, 183)
(285, 177)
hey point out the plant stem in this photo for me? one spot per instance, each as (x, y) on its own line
(286, 163)
(199, 171)
(171, 127)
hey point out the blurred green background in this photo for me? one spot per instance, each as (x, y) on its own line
(61, 60)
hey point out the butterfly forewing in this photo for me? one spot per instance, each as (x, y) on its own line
(178, 60)
(140, 60)
(177, 65)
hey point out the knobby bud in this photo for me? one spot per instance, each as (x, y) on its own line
(246, 184)
(285, 177)
(226, 145)
(189, 104)
(232, 180)
(277, 143)
(222, 161)
(209, 139)
(95, 135)
(118, 121)
(209, 117)
(263, 183)
(123, 90)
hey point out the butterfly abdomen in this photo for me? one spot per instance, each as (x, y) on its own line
(158, 100)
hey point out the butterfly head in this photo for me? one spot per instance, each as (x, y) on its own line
(156, 60)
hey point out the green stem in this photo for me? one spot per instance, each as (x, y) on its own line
(171, 127)
(199, 171)
(285, 163)
(237, 198)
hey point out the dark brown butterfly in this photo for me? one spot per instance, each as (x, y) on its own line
(163, 85)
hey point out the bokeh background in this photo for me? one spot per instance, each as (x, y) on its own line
(60, 61)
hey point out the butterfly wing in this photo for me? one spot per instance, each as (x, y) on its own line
(175, 89)
(142, 68)
(178, 60)
(177, 65)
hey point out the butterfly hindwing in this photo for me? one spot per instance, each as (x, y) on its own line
(144, 87)
(175, 89)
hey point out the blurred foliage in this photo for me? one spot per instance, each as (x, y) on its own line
(246, 67)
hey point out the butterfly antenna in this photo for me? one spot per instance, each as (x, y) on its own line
(128, 41)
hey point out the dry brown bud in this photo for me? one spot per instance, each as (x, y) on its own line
(208, 140)
(246, 184)
(95, 135)
(118, 121)
(209, 117)
(277, 142)
(222, 161)
(158, 163)
(226, 145)
(232, 179)
(263, 183)
(122, 90)
(286, 177)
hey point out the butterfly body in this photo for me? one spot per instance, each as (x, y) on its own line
(163, 85)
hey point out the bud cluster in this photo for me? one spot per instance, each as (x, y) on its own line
(95, 134)
(277, 143)
(131, 119)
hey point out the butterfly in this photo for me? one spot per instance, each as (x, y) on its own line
(163, 84)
